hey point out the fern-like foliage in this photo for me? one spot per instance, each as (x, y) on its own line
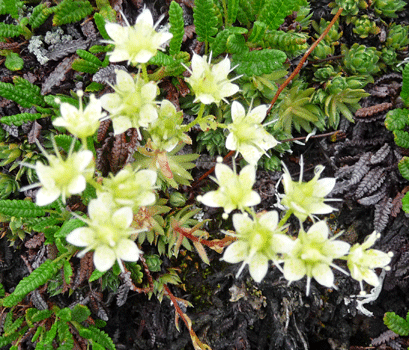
(257, 32)
(274, 12)
(88, 63)
(297, 110)
(286, 41)
(224, 41)
(401, 138)
(37, 278)
(403, 166)
(176, 27)
(259, 62)
(10, 7)
(20, 119)
(205, 20)
(95, 334)
(106, 11)
(397, 119)
(40, 14)
(21, 208)
(9, 31)
(100, 22)
(232, 9)
(397, 324)
(404, 94)
(22, 92)
(69, 11)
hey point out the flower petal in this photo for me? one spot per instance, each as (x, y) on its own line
(127, 250)
(104, 258)
(323, 275)
(236, 252)
(81, 237)
(258, 267)
(294, 269)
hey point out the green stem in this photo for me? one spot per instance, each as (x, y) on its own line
(225, 13)
(197, 120)
(145, 73)
(95, 184)
(285, 218)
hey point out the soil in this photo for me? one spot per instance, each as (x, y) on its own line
(233, 312)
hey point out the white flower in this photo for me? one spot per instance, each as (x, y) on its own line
(259, 241)
(133, 104)
(138, 43)
(210, 82)
(235, 191)
(312, 255)
(131, 188)
(79, 122)
(107, 233)
(247, 135)
(362, 261)
(304, 199)
(61, 177)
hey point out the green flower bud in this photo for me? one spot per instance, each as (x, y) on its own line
(177, 199)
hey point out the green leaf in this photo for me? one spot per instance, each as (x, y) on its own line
(397, 119)
(14, 62)
(20, 208)
(37, 278)
(20, 119)
(34, 315)
(257, 32)
(396, 323)
(274, 12)
(405, 202)
(205, 20)
(401, 138)
(12, 7)
(39, 15)
(65, 141)
(68, 226)
(176, 27)
(94, 87)
(404, 94)
(67, 271)
(236, 44)
(64, 314)
(9, 30)
(232, 9)
(80, 313)
(100, 22)
(98, 336)
(96, 274)
(106, 10)
(22, 92)
(81, 65)
(69, 11)
(403, 166)
(89, 57)
(259, 62)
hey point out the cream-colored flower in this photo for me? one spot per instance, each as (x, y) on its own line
(259, 241)
(79, 122)
(362, 261)
(312, 255)
(131, 188)
(133, 104)
(304, 199)
(210, 82)
(61, 177)
(235, 191)
(107, 233)
(138, 43)
(247, 135)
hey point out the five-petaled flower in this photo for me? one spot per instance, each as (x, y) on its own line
(259, 241)
(133, 104)
(61, 177)
(107, 233)
(138, 43)
(362, 261)
(131, 188)
(79, 122)
(210, 82)
(247, 135)
(312, 255)
(304, 199)
(235, 191)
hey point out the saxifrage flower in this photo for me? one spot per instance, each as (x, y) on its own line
(259, 240)
(247, 135)
(79, 122)
(304, 199)
(312, 255)
(138, 43)
(133, 104)
(107, 233)
(210, 82)
(235, 191)
(362, 261)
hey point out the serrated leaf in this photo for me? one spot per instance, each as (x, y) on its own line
(397, 119)
(396, 323)
(9, 30)
(20, 119)
(94, 87)
(96, 274)
(14, 62)
(81, 65)
(205, 20)
(80, 313)
(274, 12)
(100, 22)
(176, 27)
(403, 166)
(68, 226)
(37, 278)
(259, 62)
(20, 208)
(98, 336)
(69, 11)
(39, 15)
(89, 57)
(65, 141)
(401, 138)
